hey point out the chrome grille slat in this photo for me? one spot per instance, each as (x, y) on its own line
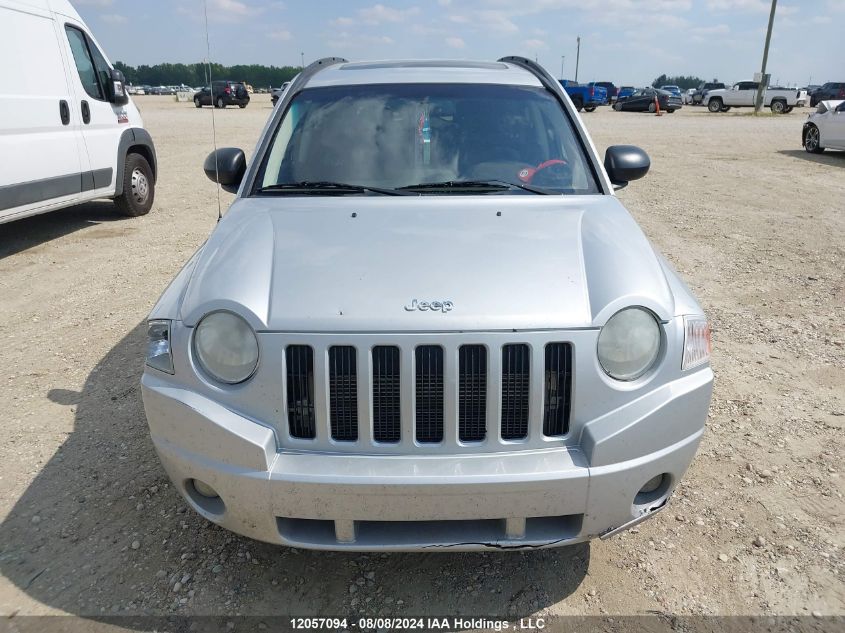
(516, 382)
(343, 393)
(472, 393)
(429, 393)
(387, 409)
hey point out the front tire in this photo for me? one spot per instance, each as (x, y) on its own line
(138, 187)
(652, 108)
(813, 140)
(617, 106)
(714, 105)
(241, 105)
(590, 109)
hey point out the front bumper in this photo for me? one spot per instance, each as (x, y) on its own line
(497, 500)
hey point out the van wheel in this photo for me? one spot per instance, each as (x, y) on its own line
(220, 103)
(197, 102)
(714, 105)
(138, 187)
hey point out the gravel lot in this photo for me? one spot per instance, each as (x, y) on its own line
(90, 525)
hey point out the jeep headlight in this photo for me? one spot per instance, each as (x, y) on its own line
(629, 344)
(225, 347)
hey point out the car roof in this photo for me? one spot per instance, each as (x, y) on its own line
(423, 71)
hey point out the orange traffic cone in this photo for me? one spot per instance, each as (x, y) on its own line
(657, 111)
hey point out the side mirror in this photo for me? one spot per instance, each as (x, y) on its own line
(625, 163)
(226, 166)
(117, 88)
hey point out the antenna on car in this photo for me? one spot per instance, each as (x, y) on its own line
(213, 123)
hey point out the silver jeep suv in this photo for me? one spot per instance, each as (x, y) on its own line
(499, 359)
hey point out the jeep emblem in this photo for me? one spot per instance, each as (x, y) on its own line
(433, 306)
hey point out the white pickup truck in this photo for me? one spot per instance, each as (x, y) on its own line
(744, 93)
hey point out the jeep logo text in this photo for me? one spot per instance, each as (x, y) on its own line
(433, 306)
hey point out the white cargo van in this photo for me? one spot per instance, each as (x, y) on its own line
(68, 130)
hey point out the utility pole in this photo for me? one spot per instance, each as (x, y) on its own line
(302, 56)
(577, 58)
(562, 57)
(758, 104)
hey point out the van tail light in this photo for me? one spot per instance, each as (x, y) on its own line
(697, 342)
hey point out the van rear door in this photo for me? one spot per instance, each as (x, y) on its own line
(41, 145)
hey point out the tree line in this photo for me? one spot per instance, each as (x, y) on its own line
(197, 74)
(684, 82)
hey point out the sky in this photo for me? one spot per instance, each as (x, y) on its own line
(624, 41)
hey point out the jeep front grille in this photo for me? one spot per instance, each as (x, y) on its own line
(472, 393)
(387, 415)
(300, 371)
(343, 393)
(345, 396)
(515, 391)
(429, 393)
(558, 380)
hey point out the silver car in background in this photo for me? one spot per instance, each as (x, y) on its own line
(426, 322)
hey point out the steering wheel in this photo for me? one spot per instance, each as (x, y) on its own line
(550, 171)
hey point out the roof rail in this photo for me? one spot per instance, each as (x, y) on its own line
(310, 70)
(534, 68)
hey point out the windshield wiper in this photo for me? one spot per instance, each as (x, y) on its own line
(475, 185)
(340, 188)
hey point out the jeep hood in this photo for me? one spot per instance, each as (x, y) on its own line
(357, 263)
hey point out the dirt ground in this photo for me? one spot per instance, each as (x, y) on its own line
(91, 526)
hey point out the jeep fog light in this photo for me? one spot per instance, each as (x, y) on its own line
(629, 343)
(652, 484)
(697, 342)
(204, 489)
(159, 355)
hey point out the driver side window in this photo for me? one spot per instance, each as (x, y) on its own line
(90, 63)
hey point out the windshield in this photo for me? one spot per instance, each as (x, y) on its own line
(401, 135)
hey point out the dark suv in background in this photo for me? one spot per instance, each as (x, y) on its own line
(831, 90)
(703, 89)
(223, 93)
